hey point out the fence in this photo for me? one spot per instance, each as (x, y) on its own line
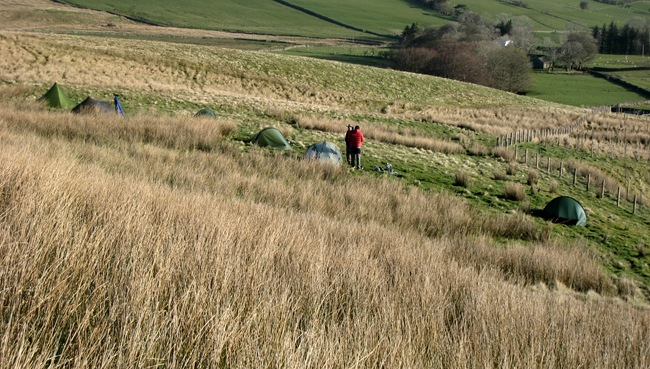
(573, 174)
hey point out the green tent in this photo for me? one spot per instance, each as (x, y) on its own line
(324, 151)
(55, 97)
(205, 113)
(565, 210)
(271, 137)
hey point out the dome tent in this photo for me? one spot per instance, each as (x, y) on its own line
(324, 151)
(205, 113)
(91, 105)
(271, 137)
(55, 97)
(565, 210)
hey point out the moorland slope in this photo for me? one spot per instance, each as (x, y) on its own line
(164, 239)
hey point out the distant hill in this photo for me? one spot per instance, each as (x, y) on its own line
(385, 17)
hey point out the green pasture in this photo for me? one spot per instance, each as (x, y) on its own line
(253, 16)
(558, 14)
(634, 69)
(579, 89)
(385, 17)
(619, 61)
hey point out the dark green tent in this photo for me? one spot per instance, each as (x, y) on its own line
(205, 113)
(324, 151)
(271, 137)
(91, 106)
(565, 210)
(55, 97)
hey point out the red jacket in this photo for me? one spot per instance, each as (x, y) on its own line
(355, 138)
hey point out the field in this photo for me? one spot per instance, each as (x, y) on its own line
(384, 17)
(634, 69)
(569, 88)
(163, 239)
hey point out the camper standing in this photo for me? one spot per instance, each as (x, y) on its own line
(348, 151)
(356, 139)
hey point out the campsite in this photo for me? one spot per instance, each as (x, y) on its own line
(200, 213)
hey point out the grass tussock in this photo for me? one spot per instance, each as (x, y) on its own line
(533, 177)
(503, 153)
(462, 179)
(514, 191)
(500, 176)
(578, 269)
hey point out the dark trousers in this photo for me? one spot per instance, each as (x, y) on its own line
(356, 157)
(348, 154)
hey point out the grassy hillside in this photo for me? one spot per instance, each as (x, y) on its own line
(257, 16)
(161, 239)
(155, 241)
(380, 16)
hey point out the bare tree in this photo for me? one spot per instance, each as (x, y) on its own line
(413, 59)
(579, 48)
(521, 33)
(460, 61)
(509, 69)
(552, 53)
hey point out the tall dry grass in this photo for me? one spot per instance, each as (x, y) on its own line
(127, 252)
(382, 133)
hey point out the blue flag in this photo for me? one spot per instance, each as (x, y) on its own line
(118, 107)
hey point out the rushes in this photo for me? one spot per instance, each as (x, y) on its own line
(103, 253)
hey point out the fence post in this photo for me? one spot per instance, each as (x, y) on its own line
(575, 176)
(516, 153)
(588, 181)
(548, 166)
(526, 156)
(634, 208)
(618, 197)
(537, 161)
(561, 168)
(602, 190)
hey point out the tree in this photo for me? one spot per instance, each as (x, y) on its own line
(509, 69)
(584, 5)
(459, 60)
(578, 48)
(409, 34)
(522, 33)
(413, 59)
(474, 28)
(504, 27)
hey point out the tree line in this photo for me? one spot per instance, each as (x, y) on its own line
(631, 39)
(468, 50)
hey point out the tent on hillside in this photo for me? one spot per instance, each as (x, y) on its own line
(55, 97)
(271, 137)
(565, 210)
(205, 113)
(324, 151)
(91, 105)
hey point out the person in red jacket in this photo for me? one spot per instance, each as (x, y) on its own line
(356, 139)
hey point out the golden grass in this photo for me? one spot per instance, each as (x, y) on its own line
(121, 250)
(157, 241)
(514, 191)
(382, 133)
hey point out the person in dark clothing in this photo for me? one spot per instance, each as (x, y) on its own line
(356, 139)
(348, 151)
